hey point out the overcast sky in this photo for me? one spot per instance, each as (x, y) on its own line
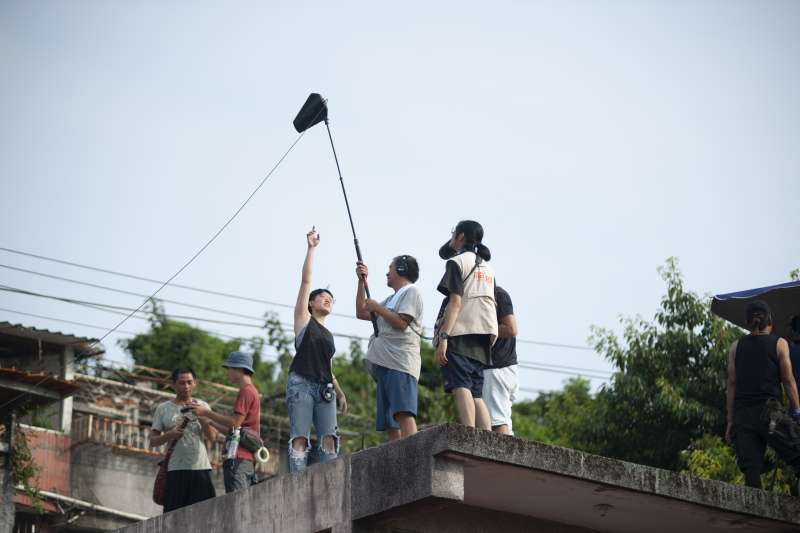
(592, 140)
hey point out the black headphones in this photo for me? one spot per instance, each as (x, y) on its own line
(401, 264)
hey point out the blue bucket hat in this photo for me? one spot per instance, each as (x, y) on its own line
(239, 360)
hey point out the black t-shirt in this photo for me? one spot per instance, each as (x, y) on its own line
(475, 346)
(313, 357)
(504, 351)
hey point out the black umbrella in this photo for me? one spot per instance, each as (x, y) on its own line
(783, 300)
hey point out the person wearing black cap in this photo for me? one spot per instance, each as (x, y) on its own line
(467, 326)
(757, 365)
(238, 470)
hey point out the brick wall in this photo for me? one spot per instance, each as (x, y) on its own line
(51, 454)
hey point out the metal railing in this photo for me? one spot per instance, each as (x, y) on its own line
(126, 437)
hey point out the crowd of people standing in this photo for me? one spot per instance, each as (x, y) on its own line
(475, 341)
(474, 337)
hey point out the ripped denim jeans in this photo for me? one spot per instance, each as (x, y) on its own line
(306, 407)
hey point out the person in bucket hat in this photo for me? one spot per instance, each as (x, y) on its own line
(239, 471)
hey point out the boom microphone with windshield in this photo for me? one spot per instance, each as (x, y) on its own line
(314, 111)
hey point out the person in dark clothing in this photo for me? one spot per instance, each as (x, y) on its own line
(794, 348)
(501, 379)
(312, 391)
(757, 365)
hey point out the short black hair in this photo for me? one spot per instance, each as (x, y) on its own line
(412, 267)
(182, 370)
(314, 294)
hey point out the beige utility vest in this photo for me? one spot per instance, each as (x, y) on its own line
(478, 308)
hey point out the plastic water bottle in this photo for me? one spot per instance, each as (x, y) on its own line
(233, 444)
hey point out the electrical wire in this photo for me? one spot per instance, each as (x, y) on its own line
(529, 365)
(206, 291)
(182, 268)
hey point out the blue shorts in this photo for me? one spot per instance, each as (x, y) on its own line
(396, 393)
(463, 372)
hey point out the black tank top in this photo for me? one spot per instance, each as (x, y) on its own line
(757, 372)
(313, 357)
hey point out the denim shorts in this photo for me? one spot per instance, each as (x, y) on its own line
(396, 392)
(306, 408)
(463, 372)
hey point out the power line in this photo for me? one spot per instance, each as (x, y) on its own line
(122, 310)
(130, 293)
(528, 365)
(187, 263)
(45, 317)
(557, 371)
(151, 280)
(201, 290)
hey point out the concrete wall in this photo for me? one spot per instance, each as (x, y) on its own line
(117, 480)
(452, 478)
(316, 500)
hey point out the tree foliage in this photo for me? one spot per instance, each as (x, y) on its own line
(170, 344)
(667, 389)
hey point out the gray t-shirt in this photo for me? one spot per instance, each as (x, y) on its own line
(190, 451)
(395, 349)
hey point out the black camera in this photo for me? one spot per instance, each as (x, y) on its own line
(327, 392)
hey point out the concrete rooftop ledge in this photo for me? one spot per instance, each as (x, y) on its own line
(453, 478)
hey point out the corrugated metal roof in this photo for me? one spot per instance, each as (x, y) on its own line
(54, 337)
(34, 382)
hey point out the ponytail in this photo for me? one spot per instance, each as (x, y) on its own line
(473, 237)
(483, 252)
(758, 315)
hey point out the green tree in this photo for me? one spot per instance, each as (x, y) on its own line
(670, 380)
(709, 457)
(561, 417)
(171, 344)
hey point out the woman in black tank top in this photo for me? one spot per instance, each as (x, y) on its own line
(312, 392)
(757, 365)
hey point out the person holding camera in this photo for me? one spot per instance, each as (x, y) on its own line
(238, 468)
(312, 391)
(188, 470)
(394, 353)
